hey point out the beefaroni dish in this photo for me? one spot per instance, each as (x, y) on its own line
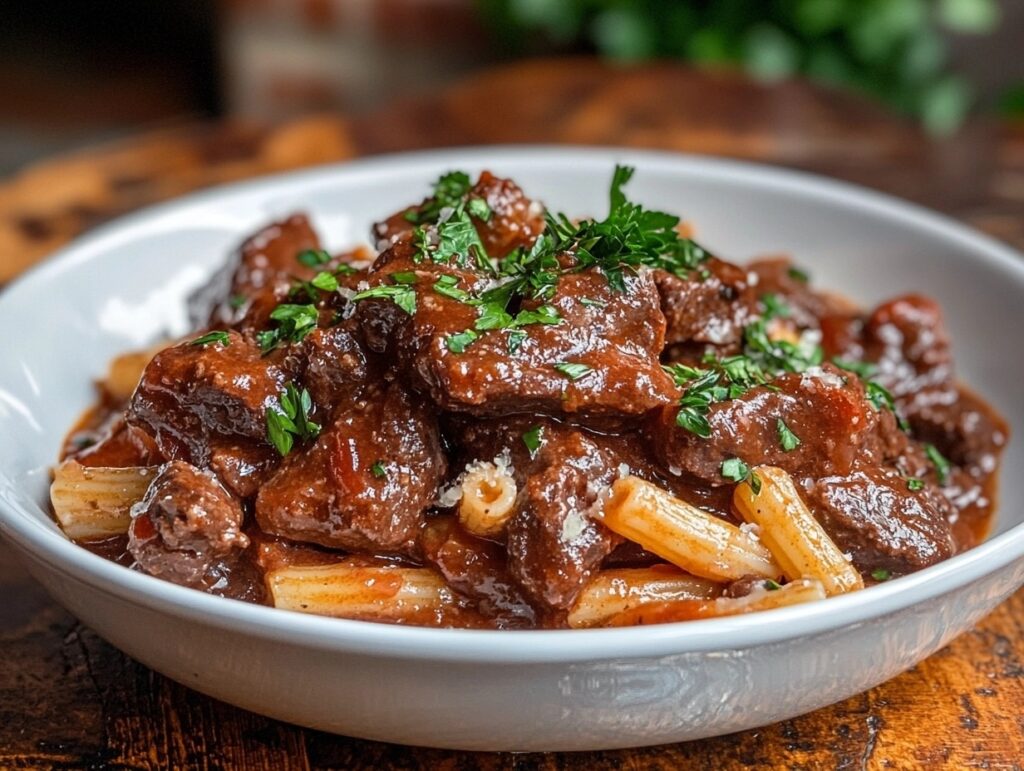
(507, 418)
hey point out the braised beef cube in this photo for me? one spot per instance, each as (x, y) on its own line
(514, 220)
(191, 396)
(365, 483)
(188, 529)
(962, 427)
(907, 340)
(600, 358)
(707, 308)
(243, 467)
(872, 515)
(824, 408)
(805, 306)
(478, 570)
(338, 367)
(259, 273)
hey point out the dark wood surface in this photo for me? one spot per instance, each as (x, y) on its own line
(67, 699)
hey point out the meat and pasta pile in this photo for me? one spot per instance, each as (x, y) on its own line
(507, 418)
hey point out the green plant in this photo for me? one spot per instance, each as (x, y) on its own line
(894, 50)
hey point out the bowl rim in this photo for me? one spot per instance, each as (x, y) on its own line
(52, 551)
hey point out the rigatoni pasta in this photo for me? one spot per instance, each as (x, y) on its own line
(488, 497)
(95, 502)
(688, 537)
(798, 542)
(618, 590)
(126, 370)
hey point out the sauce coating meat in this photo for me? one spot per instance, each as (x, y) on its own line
(509, 419)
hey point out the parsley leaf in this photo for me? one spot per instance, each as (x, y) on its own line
(378, 470)
(448, 286)
(862, 369)
(289, 419)
(237, 301)
(787, 438)
(771, 585)
(313, 258)
(914, 484)
(737, 471)
(294, 322)
(533, 439)
(402, 295)
(478, 208)
(942, 466)
(516, 337)
(572, 370)
(459, 342)
(774, 306)
(881, 574)
(449, 190)
(326, 282)
(797, 274)
(217, 336)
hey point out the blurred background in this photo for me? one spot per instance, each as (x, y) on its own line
(74, 73)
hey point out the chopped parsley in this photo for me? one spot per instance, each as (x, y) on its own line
(532, 439)
(881, 574)
(726, 378)
(378, 470)
(326, 282)
(938, 460)
(737, 471)
(454, 240)
(862, 369)
(573, 370)
(402, 295)
(313, 258)
(294, 322)
(591, 303)
(797, 274)
(787, 438)
(771, 585)
(404, 277)
(289, 419)
(459, 342)
(478, 208)
(774, 306)
(516, 338)
(914, 484)
(448, 286)
(236, 301)
(778, 356)
(449, 190)
(218, 336)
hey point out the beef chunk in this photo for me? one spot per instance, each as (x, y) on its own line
(187, 529)
(907, 339)
(258, 276)
(515, 221)
(114, 443)
(871, 514)
(616, 337)
(828, 413)
(365, 483)
(191, 394)
(963, 428)
(776, 275)
(338, 366)
(711, 308)
(476, 569)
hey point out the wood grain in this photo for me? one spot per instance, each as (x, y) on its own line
(67, 699)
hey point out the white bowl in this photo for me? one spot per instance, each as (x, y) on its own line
(539, 690)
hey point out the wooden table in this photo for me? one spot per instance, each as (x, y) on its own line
(69, 699)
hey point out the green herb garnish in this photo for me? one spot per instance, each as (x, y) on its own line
(774, 306)
(313, 258)
(217, 336)
(532, 439)
(478, 208)
(798, 275)
(448, 286)
(737, 471)
(326, 282)
(402, 295)
(787, 438)
(771, 585)
(914, 484)
(289, 419)
(881, 574)
(236, 301)
(294, 322)
(572, 370)
(516, 337)
(378, 470)
(938, 460)
(862, 369)
(449, 191)
(459, 342)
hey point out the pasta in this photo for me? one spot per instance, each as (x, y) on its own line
(688, 537)
(360, 592)
(95, 502)
(617, 591)
(795, 593)
(798, 542)
(125, 371)
(488, 496)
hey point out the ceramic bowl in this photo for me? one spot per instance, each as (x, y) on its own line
(126, 283)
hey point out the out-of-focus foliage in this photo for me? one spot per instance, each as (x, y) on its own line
(894, 50)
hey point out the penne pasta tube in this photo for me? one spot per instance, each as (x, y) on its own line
(95, 502)
(125, 371)
(795, 538)
(616, 591)
(361, 592)
(690, 538)
(488, 497)
(795, 593)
